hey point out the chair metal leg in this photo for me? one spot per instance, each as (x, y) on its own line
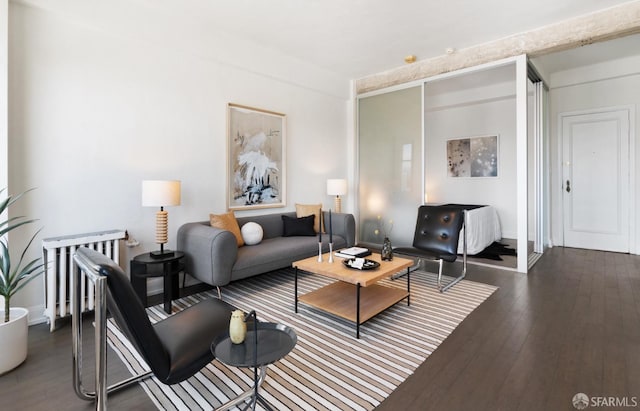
(452, 283)
(440, 274)
(464, 259)
(411, 269)
(101, 390)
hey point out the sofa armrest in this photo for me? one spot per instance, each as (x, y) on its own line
(210, 253)
(343, 224)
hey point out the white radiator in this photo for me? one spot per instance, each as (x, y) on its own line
(57, 255)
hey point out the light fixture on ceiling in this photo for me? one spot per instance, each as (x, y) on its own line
(410, 59)
(450, 50)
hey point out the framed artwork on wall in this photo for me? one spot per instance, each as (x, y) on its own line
(256, 158)
(473, 156)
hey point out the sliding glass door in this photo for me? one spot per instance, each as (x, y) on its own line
(390, 165)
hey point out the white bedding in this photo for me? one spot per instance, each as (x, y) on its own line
(483, 227)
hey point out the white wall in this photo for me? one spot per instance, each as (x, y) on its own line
(466, 115)
(4, 78)
(95, 109)
(609, 84)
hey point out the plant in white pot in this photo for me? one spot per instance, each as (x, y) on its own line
(13, 277)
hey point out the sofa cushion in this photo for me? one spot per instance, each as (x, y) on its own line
(302, 226)
(227, 221)
(251, 233)
(303, 210)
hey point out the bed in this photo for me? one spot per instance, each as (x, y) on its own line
(483, 227)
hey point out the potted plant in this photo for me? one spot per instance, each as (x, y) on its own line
(13, 277)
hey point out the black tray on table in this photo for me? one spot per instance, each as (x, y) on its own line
(368, 264)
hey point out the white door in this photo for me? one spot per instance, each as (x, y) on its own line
(596, 179)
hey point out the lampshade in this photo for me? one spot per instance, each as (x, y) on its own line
(336, 187)
(160, 193)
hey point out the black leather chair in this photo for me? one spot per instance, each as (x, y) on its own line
(436, 238)
(175, 348)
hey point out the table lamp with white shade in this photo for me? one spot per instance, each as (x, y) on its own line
(161, 193)
(337, 187)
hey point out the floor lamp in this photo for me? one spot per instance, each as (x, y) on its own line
(161, 193)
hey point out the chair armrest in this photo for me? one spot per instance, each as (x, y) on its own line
(210, 253)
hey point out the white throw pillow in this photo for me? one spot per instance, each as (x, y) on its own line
(251, 233)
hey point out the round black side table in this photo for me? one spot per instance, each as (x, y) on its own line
(144, 266)
(274, 341)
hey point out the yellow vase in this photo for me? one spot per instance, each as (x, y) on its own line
(237, 327)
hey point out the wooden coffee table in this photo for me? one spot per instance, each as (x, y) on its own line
(356, 296)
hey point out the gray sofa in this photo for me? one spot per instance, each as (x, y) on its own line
(213, 257)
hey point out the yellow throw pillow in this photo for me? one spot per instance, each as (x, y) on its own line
(303, 210)
(227, 221)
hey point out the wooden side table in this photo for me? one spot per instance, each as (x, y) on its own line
(143, 266)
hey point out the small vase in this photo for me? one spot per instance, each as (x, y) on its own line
(237, 327)
(387, 251)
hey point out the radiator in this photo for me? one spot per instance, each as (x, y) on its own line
(59, 268)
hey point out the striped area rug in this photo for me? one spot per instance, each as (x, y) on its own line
(329, 369)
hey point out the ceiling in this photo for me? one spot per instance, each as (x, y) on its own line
(591, 54)
(350, 38)
(356, 38)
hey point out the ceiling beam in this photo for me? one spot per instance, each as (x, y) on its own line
(599, 26)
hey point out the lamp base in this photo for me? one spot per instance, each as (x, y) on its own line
(161, 254)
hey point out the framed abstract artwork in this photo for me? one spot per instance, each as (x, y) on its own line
(256, 158)
(473, 157)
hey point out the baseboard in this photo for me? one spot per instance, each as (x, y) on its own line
(36, 314)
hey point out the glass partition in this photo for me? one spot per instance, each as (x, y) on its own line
(390, 166)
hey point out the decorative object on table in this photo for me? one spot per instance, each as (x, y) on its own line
(237, 327)
(353, 252)
(386, 254)
(337, 187)
(320, 238)
(13, 277)
(257, 163)
(252, 233)
(473, 157)
(330, 238)
(360, 263)
(383, 229)
(161, 193)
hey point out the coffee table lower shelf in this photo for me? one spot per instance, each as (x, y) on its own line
(338, 299)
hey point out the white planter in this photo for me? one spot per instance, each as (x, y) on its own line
(13, 339)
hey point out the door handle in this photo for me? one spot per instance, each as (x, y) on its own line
(568, 186)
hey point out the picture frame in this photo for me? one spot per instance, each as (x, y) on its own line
(473, 157)
(256, 157)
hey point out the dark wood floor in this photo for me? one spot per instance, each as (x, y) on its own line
(572, 325)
